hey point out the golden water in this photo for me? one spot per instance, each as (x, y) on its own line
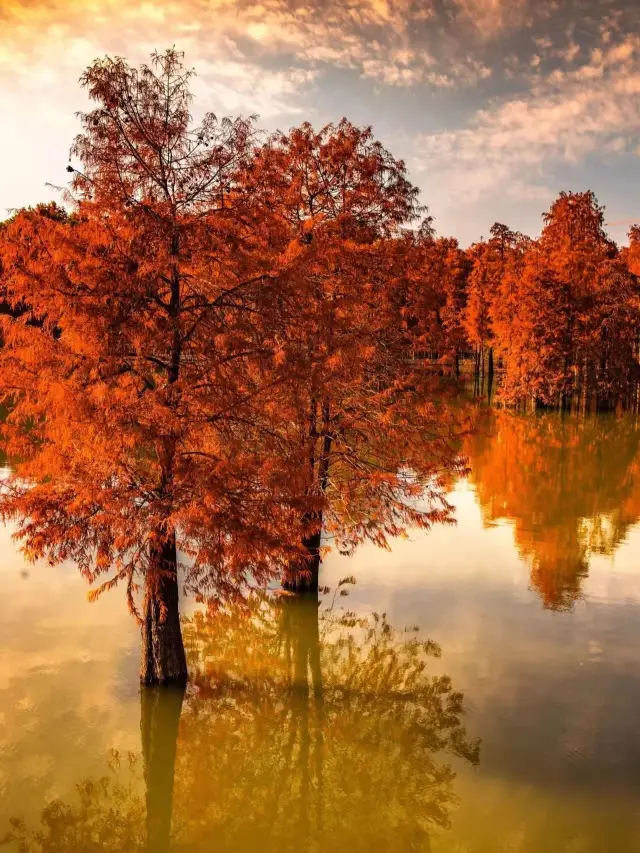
(330, 728)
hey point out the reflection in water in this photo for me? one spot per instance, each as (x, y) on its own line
(569, 485)
(305, 728)
(107, 813)
(159, 720)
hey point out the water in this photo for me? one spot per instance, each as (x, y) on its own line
(514, 729)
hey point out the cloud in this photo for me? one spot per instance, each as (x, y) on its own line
(393, 42)
(492, 17)
(511, 147)
(529, 83)
(238, 88)
(408, 67)
(50, 43)
(45, 46)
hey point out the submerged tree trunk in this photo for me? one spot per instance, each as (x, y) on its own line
(301, 631)
(163, 660)
(159, 718)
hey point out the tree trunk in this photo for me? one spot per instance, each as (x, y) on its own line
(163, 660)
(159, 718)
(303, 576)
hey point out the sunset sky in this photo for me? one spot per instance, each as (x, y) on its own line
(496, 105)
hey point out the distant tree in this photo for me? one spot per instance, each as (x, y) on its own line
(484, 305)
(476, 315)
(455, 272)
(436, 293)
(631, 254)
(574, 298)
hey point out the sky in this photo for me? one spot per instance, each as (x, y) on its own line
(495, 105)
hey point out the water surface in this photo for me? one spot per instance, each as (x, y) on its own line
(507, 722)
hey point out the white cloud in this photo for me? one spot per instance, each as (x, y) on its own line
(238, 88)
(510, 147)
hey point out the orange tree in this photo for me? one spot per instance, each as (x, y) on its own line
(571, 339)
(131, 377)
(203, 355)
(352, 420)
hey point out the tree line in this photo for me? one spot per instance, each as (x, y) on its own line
(556, 320)
(213, 356)
(559, 314)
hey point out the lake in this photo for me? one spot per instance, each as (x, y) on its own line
(493, 707)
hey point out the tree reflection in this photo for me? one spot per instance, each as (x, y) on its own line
(568, 484)
(106, 814)
(305, 728)
(160, 709)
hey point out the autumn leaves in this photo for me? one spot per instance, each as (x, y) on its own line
(214, 354)
(205, 356)
(561, 313)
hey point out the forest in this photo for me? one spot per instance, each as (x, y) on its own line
(228, 350)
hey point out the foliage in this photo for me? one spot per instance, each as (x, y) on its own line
(571, 336)
(215, 355)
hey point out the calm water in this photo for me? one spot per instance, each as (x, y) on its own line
(507, 722)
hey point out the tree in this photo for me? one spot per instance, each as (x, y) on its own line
(131, 376)
(436, 292)
(453, 270)
(537, 351)
(218, 349)
(631, 254)
(476, 315)
(574, 297)
(349, 417)
(485, 299)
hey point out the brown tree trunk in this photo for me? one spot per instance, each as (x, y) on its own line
(159, 718)
(303, 576)
(163, 660)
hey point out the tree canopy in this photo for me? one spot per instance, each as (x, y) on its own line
(204, 355)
